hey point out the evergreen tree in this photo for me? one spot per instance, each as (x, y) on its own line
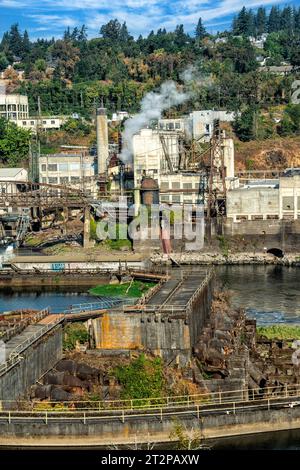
(286, 19)
(111, 30)
(26, 42)
(261, 21)
(200, 32)
(243, 23)
(274, 20)
(15, 40)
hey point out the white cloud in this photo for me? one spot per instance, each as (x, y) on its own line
(141, 16)
(54, 20)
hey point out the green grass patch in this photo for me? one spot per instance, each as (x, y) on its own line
(74, 333)
(136, 289)
(284, 332)
(142, 378)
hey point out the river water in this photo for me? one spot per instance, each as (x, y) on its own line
(271, 294)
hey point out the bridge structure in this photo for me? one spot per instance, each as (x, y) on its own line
(40, 195)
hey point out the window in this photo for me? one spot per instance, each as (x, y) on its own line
(52, 180)
(52, 122)
(32, 123)
(164, 198)
(52, 167)
(207, 128)
(164, 185)
(75, 179)
(63, 167)
(44, 180)
(24, 123)
(175, 198)
(288, 203)
(177, 125)
(75, 166)
(187, 186)
(43, 167)
(175, 185)
(64, 179)
(44, 122)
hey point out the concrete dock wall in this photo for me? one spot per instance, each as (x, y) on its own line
(168, 334)
(36, 360)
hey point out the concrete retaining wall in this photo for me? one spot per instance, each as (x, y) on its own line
(37, 359)
(150, 429)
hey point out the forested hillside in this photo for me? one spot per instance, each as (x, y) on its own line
(76, 73)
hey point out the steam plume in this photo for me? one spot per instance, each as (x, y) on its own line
(152, 106)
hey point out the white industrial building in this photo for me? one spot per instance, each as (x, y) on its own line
(72, 169)
(156, 154)
(198, 125)
(10, 178)
(263, 201)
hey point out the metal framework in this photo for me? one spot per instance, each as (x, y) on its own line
(216, 201)
(40, 195)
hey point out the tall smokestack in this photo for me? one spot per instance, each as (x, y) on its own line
(102, 139)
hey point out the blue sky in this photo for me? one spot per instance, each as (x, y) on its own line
(47, 18)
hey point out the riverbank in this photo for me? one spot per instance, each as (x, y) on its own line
(207, 258)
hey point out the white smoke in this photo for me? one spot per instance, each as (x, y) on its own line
(152, 106)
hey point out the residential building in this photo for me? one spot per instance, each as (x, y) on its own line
(15, 108)
(44, 123)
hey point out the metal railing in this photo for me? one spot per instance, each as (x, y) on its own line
(23, 323)
(169, 308)
(218, 402)
(14, 356)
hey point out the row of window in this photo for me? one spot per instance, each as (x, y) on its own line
(61, 180)
(170, 126)
(176, 198)
(14, 107)
(33, 123)
(13, 115)
(179, 185)
(54, 167)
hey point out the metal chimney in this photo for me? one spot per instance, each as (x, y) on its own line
(102, 139)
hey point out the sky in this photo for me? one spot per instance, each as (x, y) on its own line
(48, 18)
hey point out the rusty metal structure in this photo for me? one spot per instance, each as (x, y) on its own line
(40, 195)
(216, 197)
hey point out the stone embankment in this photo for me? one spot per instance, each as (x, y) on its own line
(230, 259)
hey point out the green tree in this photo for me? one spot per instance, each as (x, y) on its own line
(200, 32)
(261, 21)
(3, 61)
(274, 20)
(14, 143)
(245, 124)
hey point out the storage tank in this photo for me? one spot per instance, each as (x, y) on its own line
(149, 191)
